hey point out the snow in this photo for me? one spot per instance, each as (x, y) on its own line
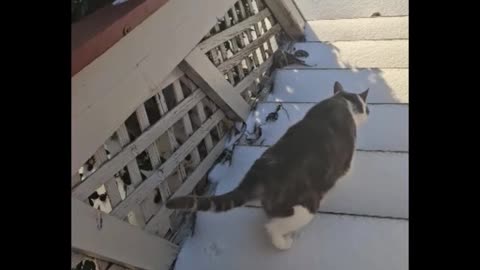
(386, 86)
(237, 240)
(386, 128)
(342, 9)
(353, 194)
(377, 28)
(356, 54)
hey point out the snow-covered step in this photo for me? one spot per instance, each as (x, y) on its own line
(386, 85)
(386, 128)
(236, 240)
(357, 29)
(377, 184)
(344, 9)
(355, 54)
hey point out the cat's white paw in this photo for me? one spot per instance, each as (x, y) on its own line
(282, 242)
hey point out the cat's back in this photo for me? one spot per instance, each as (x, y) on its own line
(326, 122)
(325, 135)
(332, 112)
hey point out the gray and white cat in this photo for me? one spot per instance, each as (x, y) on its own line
(293, 175)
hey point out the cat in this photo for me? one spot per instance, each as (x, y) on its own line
(293, 175)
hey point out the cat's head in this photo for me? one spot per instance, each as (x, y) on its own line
(357, 103)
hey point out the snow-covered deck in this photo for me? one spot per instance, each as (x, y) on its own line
(363, 222)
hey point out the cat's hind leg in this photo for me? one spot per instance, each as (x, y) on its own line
(281, 229)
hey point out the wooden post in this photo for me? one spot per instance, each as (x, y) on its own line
(289, 17)
(204, 74)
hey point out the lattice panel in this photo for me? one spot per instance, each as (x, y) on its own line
(241, 44)
(170, 142)
(165, 146)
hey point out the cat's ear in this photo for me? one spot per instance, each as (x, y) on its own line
(364, 95)
(337, 87)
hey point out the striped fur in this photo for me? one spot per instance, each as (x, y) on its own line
(225, 202)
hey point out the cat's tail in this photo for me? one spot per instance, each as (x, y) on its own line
(225, 202)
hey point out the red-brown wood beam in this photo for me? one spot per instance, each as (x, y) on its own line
(97, 32)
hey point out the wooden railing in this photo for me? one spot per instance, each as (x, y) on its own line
(99, 31)
(156, 111)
